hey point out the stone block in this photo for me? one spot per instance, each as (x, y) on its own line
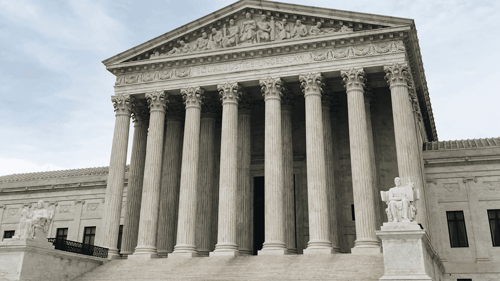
(319, 251)
(228, 254)
(273, 252)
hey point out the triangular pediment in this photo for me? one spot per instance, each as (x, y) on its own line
(252, 22)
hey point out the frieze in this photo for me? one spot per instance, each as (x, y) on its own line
(331, 54)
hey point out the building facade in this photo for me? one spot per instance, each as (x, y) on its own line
(323, 108)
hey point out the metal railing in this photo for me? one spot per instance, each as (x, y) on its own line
(79, 248)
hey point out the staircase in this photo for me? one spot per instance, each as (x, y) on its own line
(292, 267)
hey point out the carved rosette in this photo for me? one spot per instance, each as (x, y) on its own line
(288, 99)
(229, 93)
(211, 107)
(122, 104)
(157, 100)
(140, 113)
(193, 97)
(311, 84)
(175, 111)
(353, 79)
(397, 75)
(271, 88)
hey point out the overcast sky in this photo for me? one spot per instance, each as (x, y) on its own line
(55, 109)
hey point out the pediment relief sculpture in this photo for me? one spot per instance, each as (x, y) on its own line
(401, 202)
(34, 223)
(250, 30)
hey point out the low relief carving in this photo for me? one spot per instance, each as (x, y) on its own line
(91, 207)
(492, 185)
(249, 31)
(12, 211)
(64, 208)
(451, 187)
(318, 55)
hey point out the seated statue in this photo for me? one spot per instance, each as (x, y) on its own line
(39, 218)
(299, 30)
(400, 202)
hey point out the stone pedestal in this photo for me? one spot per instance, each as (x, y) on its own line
(227, 228)
(186, 224)
(408, 254)
(108, 237)
(36, 259)
(317, 196)
(148, 221)
(362, 178)
(274, 243)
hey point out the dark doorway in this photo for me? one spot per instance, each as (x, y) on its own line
(258, 214)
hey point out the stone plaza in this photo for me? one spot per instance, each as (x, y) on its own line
(272, 133)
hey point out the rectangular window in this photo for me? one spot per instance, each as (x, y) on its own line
(120, 234)
(464, 279)
(352, 212)
(62, 233)
(494, 217)
(89, 235)
(8, 234)
(456, 229)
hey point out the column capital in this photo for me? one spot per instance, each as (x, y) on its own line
(122, 104)
(229, 93)
(193, 96)
(288, 99)
(140, 113)
(271, 88)
(311, 83)
(353, 79)
(157, 101)
(175, 111)
(397, 74)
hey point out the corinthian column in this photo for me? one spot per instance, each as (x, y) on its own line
(273, 170)
(407, 148)
(319, 228)
(206, 178)
(362, 180)
(140, 115)
(186, 224)
(114, 190)
(226, 236)
(330, 169)
(148, 220)
(170, 177)
(288, 183)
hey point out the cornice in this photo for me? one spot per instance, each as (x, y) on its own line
(292, 11)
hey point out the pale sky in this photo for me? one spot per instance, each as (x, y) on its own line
(55, 108)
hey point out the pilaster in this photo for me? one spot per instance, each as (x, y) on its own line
(317, 195)
(362, 179)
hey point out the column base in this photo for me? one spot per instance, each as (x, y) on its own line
(144, 252)
(142, 256)
(203, 253)
(292, 251)
(177, 255)
(245, 252)
(224, 253)
(318, 251)
(272, 252)
(163, 254)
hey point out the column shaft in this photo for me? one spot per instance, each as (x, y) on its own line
(114, 190)
(135, 181)
(317, 195)
(170, 183)
(362, 179)
(330, 177)
(186, 225)
(205, 184)
(226, 236)
(288, 180)
(148, 220)
(273, 170)
(244, 189)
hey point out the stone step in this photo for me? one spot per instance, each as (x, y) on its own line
(293, 267)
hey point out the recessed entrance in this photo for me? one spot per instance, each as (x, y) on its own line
(258, 214)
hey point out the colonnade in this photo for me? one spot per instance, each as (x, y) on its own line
(169, 206)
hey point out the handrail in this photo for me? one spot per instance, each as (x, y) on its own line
(79, 248)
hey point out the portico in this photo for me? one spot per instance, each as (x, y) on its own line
(295, 111)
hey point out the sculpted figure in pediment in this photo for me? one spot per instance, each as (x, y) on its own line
(216, 39)
(202, 42)
(299, 30)
(248, 30)
(283, 30)
(184, 48)
(317, 30)
(232, 36)
(345, 29)
(264, 29)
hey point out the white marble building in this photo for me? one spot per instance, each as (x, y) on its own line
(323, 108)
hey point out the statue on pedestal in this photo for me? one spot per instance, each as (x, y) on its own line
(38, 218)
(400, 202)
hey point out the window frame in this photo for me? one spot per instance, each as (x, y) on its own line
(456, 228)
(12, 232)
(497, 223)
(90, 235)
(64, 235)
